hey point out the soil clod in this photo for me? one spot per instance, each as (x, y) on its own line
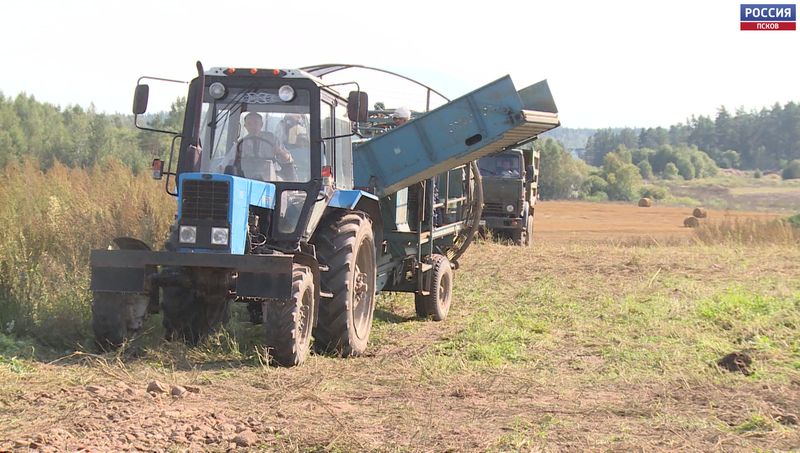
(736, 362)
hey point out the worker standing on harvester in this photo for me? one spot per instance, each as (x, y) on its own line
(401, 116)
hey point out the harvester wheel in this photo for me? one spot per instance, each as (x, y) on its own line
(346, 244)
(288, 323)
(436, 304)
(117, 317)
(191, 317)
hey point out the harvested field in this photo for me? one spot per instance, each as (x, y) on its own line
(610, 333)
(573, 221)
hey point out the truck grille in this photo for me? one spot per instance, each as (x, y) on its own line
(203, 200)
(494, 207)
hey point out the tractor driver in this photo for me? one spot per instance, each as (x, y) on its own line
(258, 145)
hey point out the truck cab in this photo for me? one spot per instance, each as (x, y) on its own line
(510, 190)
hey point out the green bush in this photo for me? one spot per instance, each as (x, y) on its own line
(598, 197)
(792, 170)
(645, 169)
(757, 174)
(685, 167)
(594, 184)
(654, 192)
(671, 171)
(623, 177)
(562, 174)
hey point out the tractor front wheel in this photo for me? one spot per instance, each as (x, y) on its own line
(191, 317)
(117, 318)
(288, 323)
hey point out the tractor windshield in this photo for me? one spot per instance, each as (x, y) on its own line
(254, 134)
(501, 165)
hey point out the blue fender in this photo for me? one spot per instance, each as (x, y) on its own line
(358, 200)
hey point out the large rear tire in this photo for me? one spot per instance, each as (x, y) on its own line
(117, 318)
(436, 304)
(288, 323)
(191, 317)
(346, 244)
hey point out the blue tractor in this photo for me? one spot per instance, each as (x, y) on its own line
(282, 205)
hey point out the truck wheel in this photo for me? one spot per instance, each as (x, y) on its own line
(436, 304)
(519, 237)
(191, 317)
(347, 246)
(117, 317)
(529, 231)
(288, 323)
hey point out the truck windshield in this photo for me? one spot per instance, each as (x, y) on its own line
(253, 134)
(504, 166)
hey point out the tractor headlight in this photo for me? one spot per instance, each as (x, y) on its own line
(510, 208)
(219, 236)
(286, 93)
(188, 234)
(217, 90)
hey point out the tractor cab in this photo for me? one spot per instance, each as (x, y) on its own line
(276, 140)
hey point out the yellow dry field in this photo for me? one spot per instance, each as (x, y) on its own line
(570, 221)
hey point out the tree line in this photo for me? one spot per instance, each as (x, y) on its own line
(78, 137)
(768, 139)
(622, 173)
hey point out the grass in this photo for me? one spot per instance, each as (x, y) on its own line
(51, 220)
(732, 191)
(756, 423)
(748, 231)
(593, 338)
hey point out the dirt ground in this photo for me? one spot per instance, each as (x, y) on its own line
(594, 358)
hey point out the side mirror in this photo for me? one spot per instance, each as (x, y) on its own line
(158, 168)
(529, 176)
(140, 99)
(358, 106)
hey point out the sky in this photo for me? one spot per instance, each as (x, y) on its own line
(608, 63)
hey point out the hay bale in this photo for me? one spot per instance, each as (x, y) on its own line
(645, 202)
(700, 213)
(691, 222)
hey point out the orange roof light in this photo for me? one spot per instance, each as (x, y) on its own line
(276, 71)
(253, 71)
(230, 70)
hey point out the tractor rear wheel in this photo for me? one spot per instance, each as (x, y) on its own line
(117, 318)
(346, 245)
(191, 317)
(436, 304)
(288, 323)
